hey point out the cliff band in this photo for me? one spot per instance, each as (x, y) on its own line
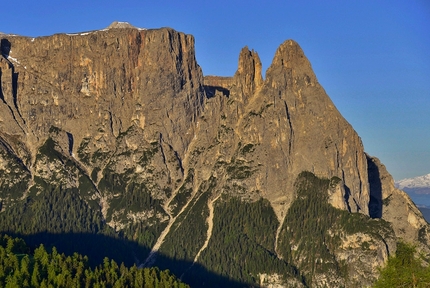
(122, 123)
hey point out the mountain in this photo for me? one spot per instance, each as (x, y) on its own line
(113, 143)
(418, 188)
(418, 185)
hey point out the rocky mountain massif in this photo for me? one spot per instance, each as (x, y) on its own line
(113, 142)
(418, 185)
(418, 188)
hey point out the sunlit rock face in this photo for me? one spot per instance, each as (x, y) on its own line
(125, 118)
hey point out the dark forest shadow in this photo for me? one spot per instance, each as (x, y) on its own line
(99, 246)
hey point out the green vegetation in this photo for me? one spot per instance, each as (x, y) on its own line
(59, 217)
(94, 174)
(55, 210)
(57, 214)
(83, 154)
(238, 170)
(99, 156)
(313, 228)
(86, 187)
(242, 242)
(224, 131)
(133, 196)
(184, 193)
(248, 148)
(422, 235)
(21, 268)
(149, 153)
(130, 194)
(144, 233)
(48, 150)
(14, 178)
(241, 245)
(404, 270)
(183, 243)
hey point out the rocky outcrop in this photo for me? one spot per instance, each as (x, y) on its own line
(218, 81)
(117, 24)
(63, 81)
(248, 76)
(125, 117)
(397, 207)
(292, 126)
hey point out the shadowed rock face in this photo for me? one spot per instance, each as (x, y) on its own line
(5, 47)
(125, 107)
(398, 209)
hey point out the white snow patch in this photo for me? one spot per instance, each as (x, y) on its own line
(13, 59)
(124, 24)
(80, 34)
(416, 182)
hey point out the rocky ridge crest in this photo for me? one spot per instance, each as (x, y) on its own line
(119, 114)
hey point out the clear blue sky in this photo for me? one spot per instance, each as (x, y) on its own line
(372, 57)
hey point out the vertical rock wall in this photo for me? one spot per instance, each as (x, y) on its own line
(104, 82)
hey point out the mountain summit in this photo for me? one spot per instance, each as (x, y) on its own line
(116, 136)
(415, 182)
(117, 24)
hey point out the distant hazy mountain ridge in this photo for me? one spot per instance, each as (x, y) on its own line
(419, 185)
(418, 189)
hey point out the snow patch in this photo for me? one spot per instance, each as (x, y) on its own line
(13, 59)
(115, 24)
(415, 182)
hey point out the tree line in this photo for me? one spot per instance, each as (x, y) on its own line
(20, 266)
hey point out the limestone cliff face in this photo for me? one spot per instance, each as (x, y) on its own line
(102, 82)
(292, 126)
(125, 117)
(96, 87)
(318, 138)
